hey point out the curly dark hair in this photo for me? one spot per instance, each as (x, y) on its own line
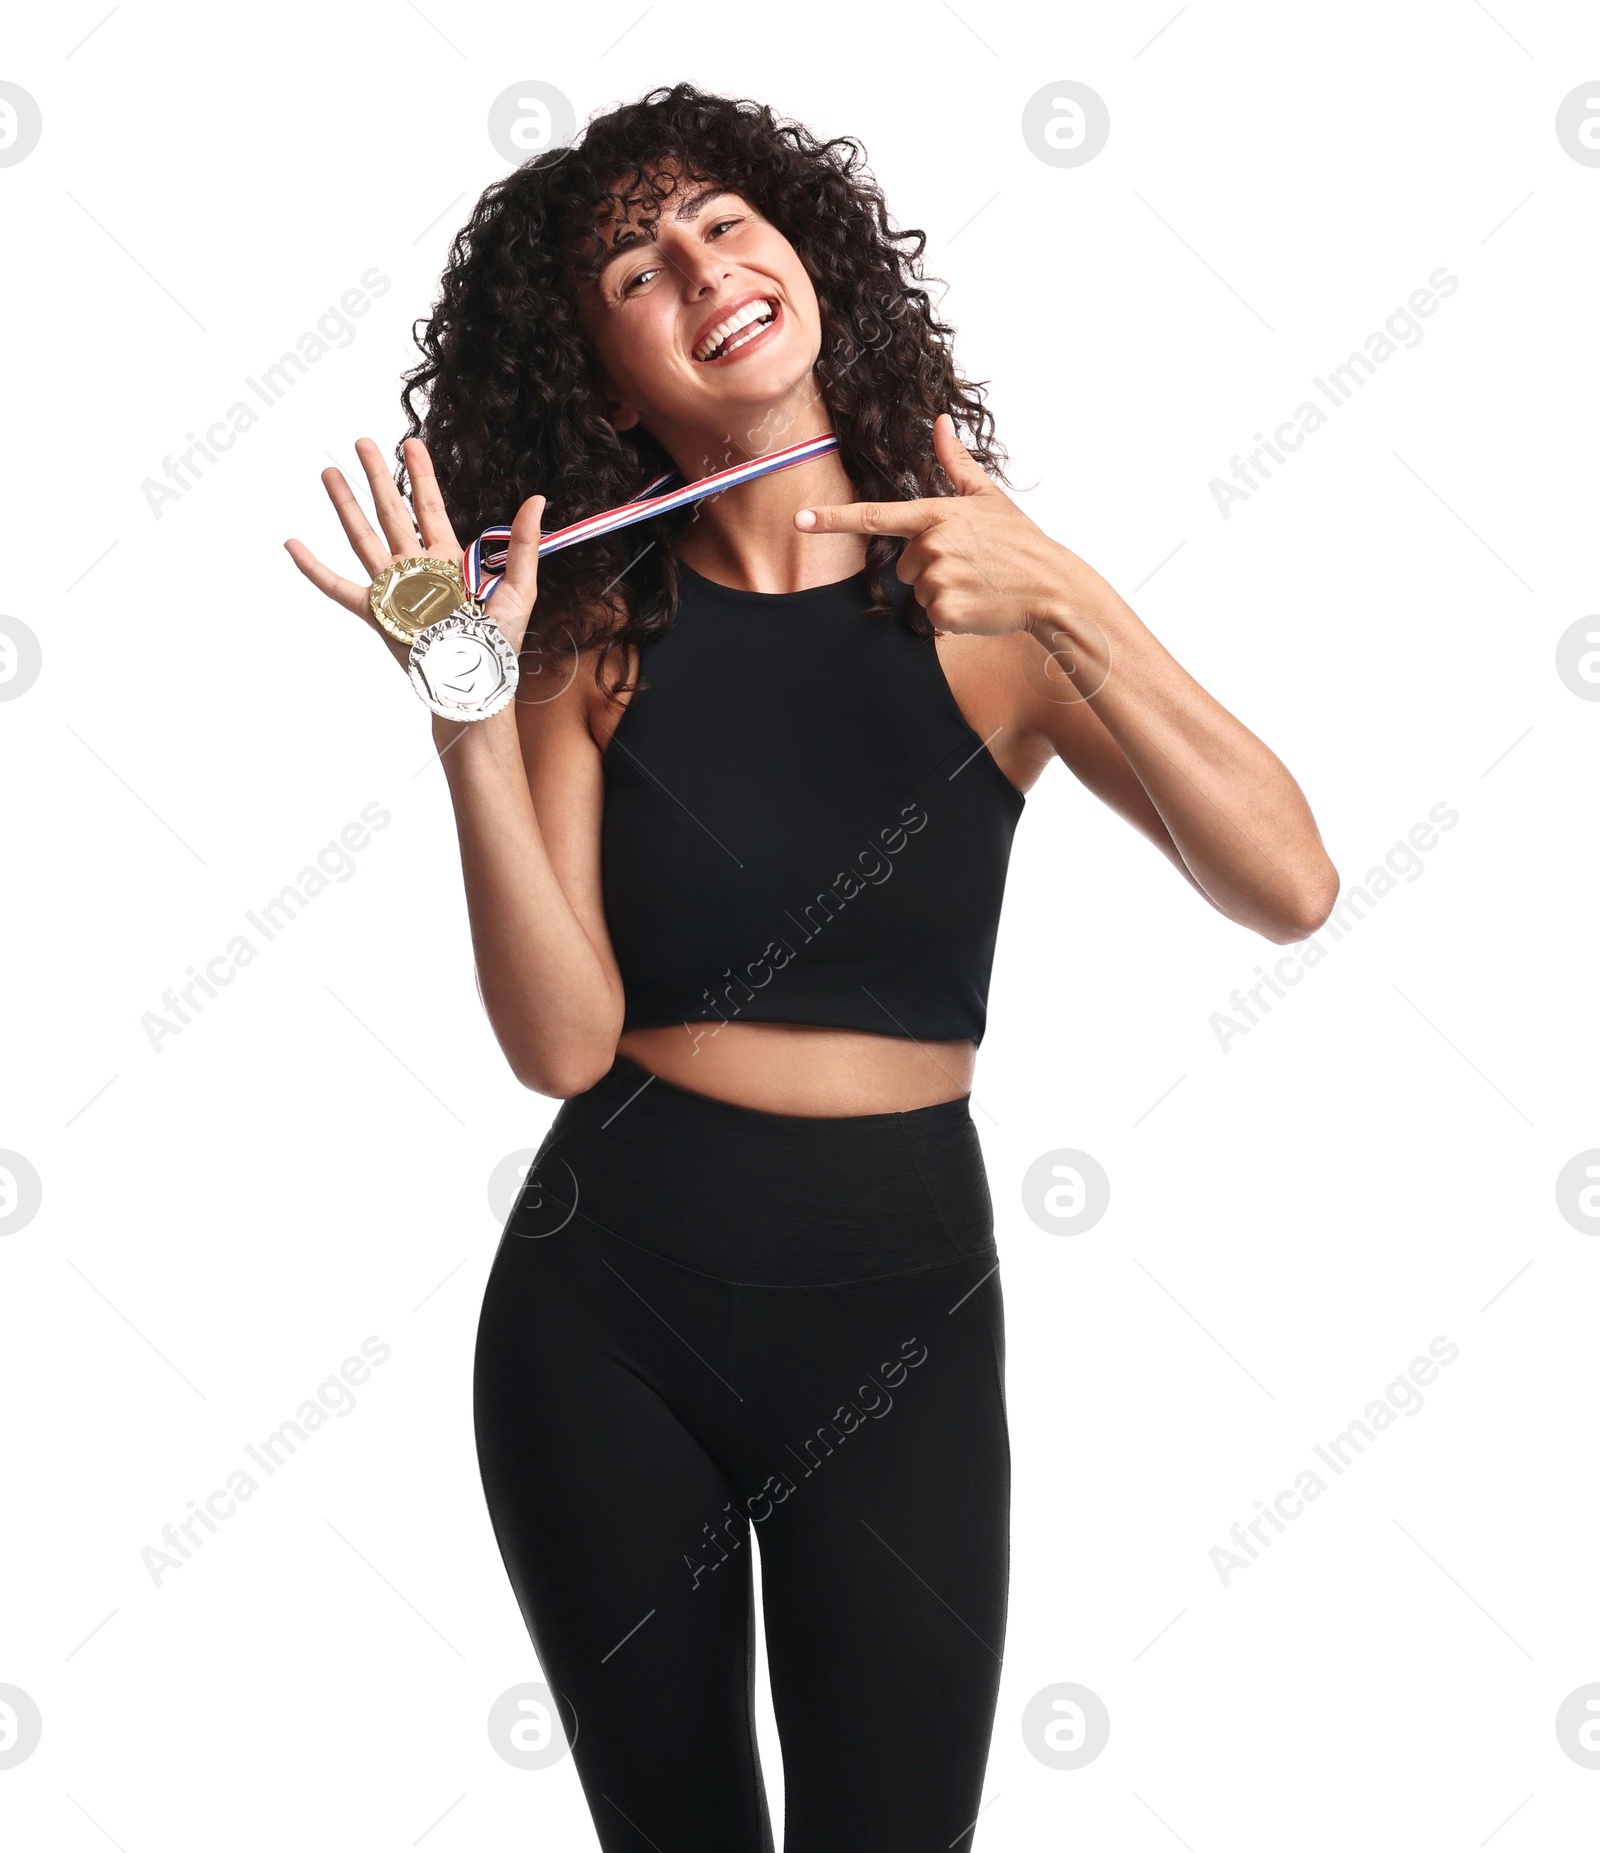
(510, 388)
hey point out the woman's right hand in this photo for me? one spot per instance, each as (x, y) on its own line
(406, 538)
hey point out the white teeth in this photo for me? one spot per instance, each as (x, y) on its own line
(739, 340)
(763, 308)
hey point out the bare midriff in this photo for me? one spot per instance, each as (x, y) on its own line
(803, 1069)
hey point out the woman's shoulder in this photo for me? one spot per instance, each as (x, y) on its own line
(562, 691)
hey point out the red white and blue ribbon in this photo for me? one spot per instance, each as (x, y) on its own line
(486, 557)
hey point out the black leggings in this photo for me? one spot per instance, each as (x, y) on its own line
(705, 1321)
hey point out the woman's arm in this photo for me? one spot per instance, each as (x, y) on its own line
(526, 786)
(527, 794)
(1093, 685)
(1116, 705)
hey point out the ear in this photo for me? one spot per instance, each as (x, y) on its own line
(620, 413)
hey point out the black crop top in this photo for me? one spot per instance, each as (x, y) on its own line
(800, 825)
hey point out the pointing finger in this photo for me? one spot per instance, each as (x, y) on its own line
(874, 517)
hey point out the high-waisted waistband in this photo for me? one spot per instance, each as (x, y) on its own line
(760, 1199)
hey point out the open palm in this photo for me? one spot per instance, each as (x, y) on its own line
(409, 532)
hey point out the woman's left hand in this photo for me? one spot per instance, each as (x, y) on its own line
(978, 564)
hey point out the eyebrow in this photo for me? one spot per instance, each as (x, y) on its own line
(687, 209)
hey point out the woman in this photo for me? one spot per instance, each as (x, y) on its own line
(733, 862)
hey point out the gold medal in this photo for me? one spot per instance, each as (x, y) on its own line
(409, 595)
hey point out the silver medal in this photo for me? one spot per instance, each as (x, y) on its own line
(462, 667)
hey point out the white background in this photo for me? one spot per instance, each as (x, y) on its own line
(1372, 1165)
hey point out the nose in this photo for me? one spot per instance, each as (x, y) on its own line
(703, 270)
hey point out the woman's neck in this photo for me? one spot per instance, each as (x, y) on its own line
(746, 537)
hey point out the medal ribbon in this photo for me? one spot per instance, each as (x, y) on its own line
(486, 557)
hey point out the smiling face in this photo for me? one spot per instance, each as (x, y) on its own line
(705, 324)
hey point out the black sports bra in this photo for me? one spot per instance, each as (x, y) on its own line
(800, 825)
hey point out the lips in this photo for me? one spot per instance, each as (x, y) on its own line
(735, 327)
